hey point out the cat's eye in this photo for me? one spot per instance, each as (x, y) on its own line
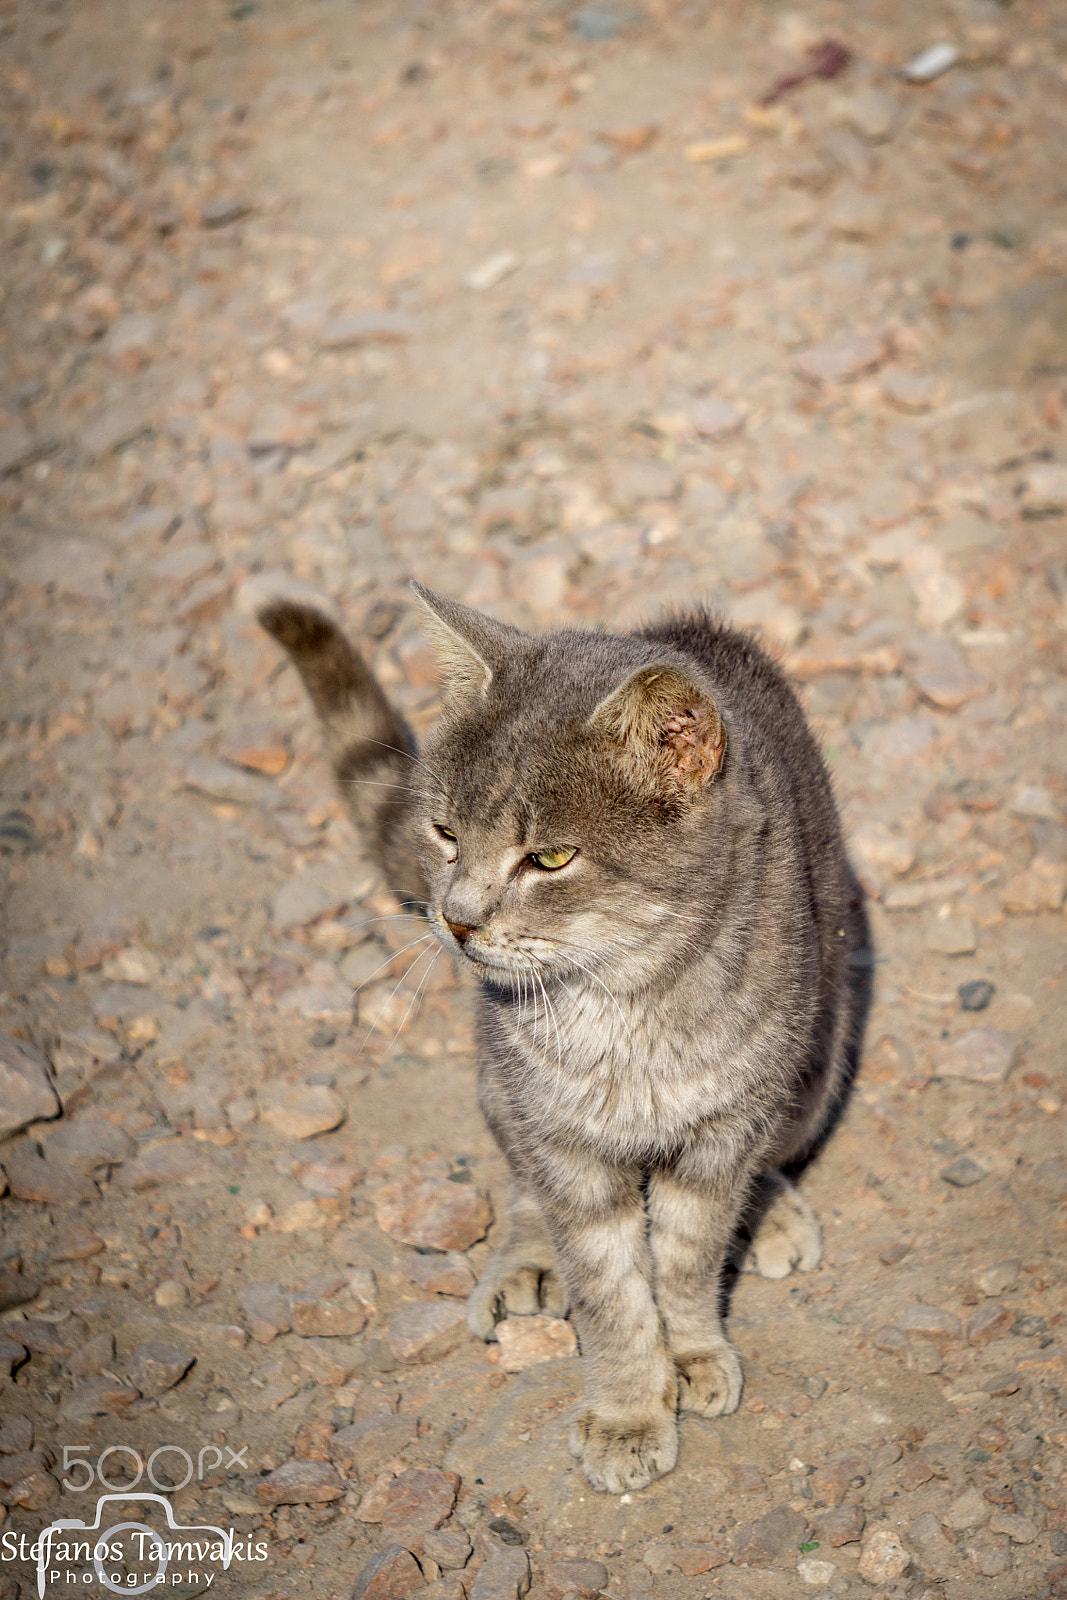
(552, 860)
(444, 833)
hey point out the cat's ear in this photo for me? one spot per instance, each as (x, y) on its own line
(669, 724)
(470, 646)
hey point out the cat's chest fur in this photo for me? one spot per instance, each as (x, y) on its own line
(630, 1075)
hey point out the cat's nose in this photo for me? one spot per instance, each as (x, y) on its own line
(460, 931)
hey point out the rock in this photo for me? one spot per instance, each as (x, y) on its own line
(967, 1511)
(1034, 800)
(420, 1498)
(319, 1002)
(259, 746)
(912, 391)
(715, 419)
(302, 1110)
(883, 849)
(426, 1331)
(441, 1274)
(976, 995)
(840, 360)
(156, 1367)
(951, 936)
(393, 1574)
(133, 340)
(39, 1336)
(858, 216)
(12, 1354)
(26, 1092)
(930, 63)
(16, 1287)
(218, 213)
(530, 1341)
(365, 1446)
(16, 1435)
(313, 1440)
(491, 270)
(90, 1359)
(1041, 887)
(168, 1161)
(1002, 1384)
(929, 1322)
(326, 1319)
(772, 1540)
(884, 1558)
(963, 1172)
(871, 112)
(170, 1293)
(981, 1056)
(815, 1573)
(47, 1183)
(449, 1547)
(311, 895)
(368, 327)
(831, 1481)
(97, 1397)
(1043, 489)
(267, 1308)
(504, 1576)
(33, 1492)
(430, 1210)
(220, 781)
(943, 677)
(1020, 1530)
(841, 1525)
(88, 1145)
(583, 1579)
(300, 1483)
(989, 1323)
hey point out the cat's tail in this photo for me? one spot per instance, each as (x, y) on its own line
(372, 750)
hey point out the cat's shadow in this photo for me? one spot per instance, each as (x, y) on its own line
(859, 995)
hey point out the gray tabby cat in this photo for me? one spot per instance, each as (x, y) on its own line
(633, 843)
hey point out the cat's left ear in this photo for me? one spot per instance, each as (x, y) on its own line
(669, 723)
(471, 646)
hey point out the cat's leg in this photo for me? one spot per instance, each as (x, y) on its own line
(786, 1234)
(520, 1278)
(693, 1210)
(625, 1433)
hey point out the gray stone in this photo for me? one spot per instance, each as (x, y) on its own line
(302, 1110)
(963, 1172)
(426, 1331)
(267, 1308)
(930, 1322)
(89, 1145)
(983, 1055)
(952, 936)
(967, 1511)
(504, 1576)
(97, 1397)
(772, 1540)
(26, 1092)
(46, 1182)
(156, 1367)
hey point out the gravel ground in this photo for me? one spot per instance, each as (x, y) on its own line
(565, 311)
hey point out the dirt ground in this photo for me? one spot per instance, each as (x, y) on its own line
(546, 305)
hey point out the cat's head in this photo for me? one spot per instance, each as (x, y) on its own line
(564, 796)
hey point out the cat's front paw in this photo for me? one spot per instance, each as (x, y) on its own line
(516, 1289)
(710, 1383)
(619, 1454)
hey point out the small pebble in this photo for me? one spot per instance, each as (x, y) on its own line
(963, 1172)
(976, 995)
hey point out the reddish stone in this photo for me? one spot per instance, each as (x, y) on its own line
(988, 1323)
(426, 1331)
(693, 1559)
(393, 1574)
(326, 1319)
(832, 1479)
(428, 1210)
(842, 1525)
(313, 1440)
(300, 1483)
(418, 1499)
(32, 1178)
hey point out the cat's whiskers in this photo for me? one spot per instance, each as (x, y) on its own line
(409, 756)
(411, 1003)
(392, 957)
(376, 783)
(573, 959)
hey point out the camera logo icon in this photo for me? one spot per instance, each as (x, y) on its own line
(153, 1553)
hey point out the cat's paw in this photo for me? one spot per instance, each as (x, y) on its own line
(710, 1383)
(515, 1289)
(619, 1454)
(788, 1237)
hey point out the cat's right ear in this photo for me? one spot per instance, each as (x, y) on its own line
(470, 646)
